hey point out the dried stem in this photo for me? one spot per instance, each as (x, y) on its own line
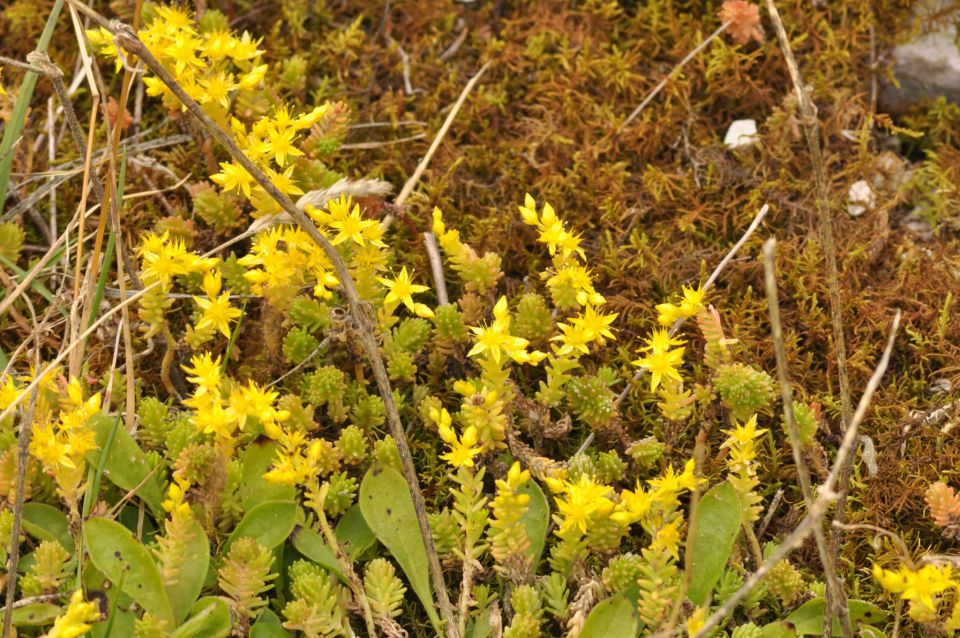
(436, 267)
(422, 166)
(356, 586)
(826, 494)
(126, 38)
(663, 83)
(706, 286)
(803, 473)
(811, 130)
(13, 559)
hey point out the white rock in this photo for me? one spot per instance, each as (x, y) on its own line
(860, 198)
(742, 133)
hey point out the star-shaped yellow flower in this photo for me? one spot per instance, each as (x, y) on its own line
(402, 289)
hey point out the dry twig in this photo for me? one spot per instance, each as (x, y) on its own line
(803, 473)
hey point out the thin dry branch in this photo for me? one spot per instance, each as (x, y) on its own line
(436, 267)
(803, 473)
(811, 130)
(13, 557)
(673, 72)
(425, 161)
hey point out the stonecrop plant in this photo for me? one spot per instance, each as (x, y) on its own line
(269, 494)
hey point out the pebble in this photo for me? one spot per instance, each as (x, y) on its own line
(742, 133)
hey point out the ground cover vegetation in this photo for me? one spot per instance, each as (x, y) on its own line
(591, 371)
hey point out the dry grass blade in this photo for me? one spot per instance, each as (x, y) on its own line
(411, 182)
(803, 473)
(811, 130)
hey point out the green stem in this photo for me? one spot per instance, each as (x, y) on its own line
(11, 133)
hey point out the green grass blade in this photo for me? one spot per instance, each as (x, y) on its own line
(15, 126)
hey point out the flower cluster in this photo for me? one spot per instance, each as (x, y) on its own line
(77, 618)
(211, 66)
(923, 588)
(663, 354)
(60, 444)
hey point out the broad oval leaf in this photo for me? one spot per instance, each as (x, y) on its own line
(354, 533)
(269, 523)
(209, 618)
(311, 545)
(254, 489)
(388, 509)
(35, 615)
(612, 618)
(808, 618)
(192, 570)
(268, 626)
(536, 520)
(116, 553)
(717, 526)
(126, 465)
(47, 523)
(778, 629)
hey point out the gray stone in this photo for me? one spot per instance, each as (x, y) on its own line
(926, 67)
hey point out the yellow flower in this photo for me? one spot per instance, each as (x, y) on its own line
(206, 373)
(462, 452)
(574, 339)
(595, 325)
(8, 392)
(632, 506)
(352, 227)
(661, 362)
(217, 88)
(280, 143)
(232, 176)
(402, 289)
(75, 621)
(552, 230)
(666, 489)
(696, 620)
(582, 503)
(690, 306)
(495, 339)
(217, 314)
(668, 538)
(211, 418)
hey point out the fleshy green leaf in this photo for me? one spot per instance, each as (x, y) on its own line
(354, 533)
(808, 618)
(268, 626)
(116, 553)
(536, 519)
(196, 559)
(778, 629)
(47, 523)
(209, 618)
(269, 523)
(126, 465)
(35, 615)
(612, 618)
(254, 489)
(388, 509)
(718, 523)
(311, 545)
